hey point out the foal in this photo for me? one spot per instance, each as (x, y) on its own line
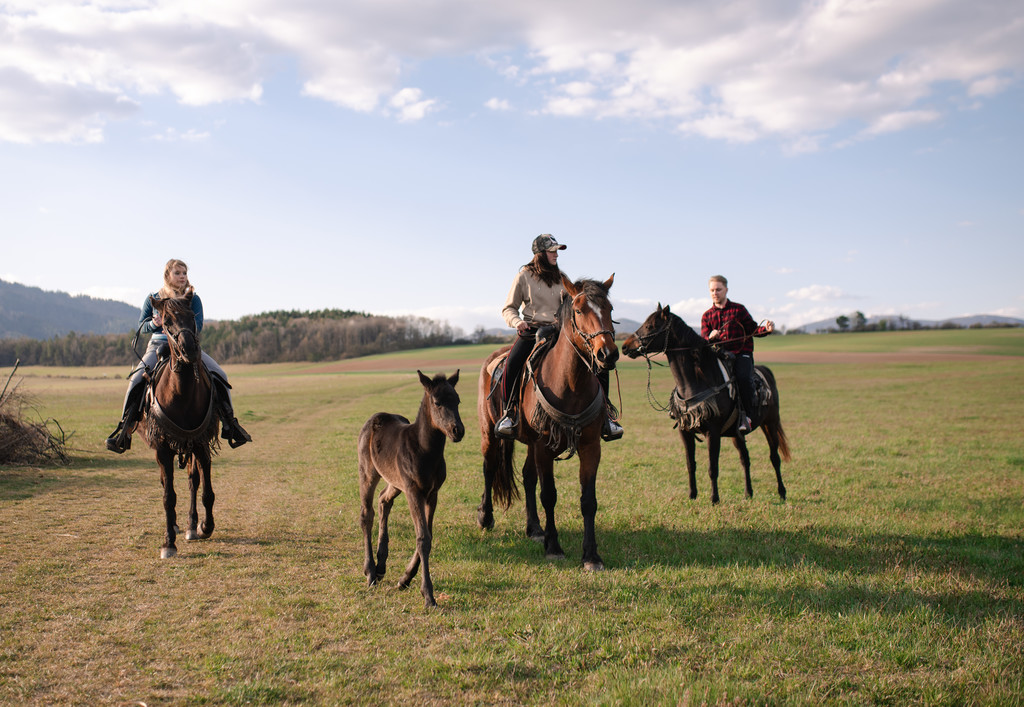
(410, 457)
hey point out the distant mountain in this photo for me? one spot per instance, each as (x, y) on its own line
(33, 313)
(897, 322)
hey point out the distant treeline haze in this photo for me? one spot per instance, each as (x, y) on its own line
(272, 337)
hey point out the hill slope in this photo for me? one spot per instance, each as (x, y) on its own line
(33, 313)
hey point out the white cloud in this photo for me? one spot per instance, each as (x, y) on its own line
(817, 293)
(809, 73)
(498, 104)
(409, 105)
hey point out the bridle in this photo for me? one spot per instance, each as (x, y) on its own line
(588, 356)
(177, 347)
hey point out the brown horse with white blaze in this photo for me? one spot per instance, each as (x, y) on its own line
(563, 408)
(702, 400)
(179, 420)
(410, 458)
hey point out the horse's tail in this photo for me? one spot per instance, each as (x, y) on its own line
(505, 488)
(773, 426)
(781, 440)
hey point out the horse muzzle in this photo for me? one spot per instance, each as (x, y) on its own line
(456, 432)
(631, 346)
(607, 356)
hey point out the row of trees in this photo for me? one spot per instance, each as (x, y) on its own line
(325, 335)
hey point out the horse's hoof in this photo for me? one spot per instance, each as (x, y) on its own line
(486, 522)
(554, 556)
(536, 537)
(430, 603)
(166, 552)
(191, 535)
(594, 566)
(371, 581)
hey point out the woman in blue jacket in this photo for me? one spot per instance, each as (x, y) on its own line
(176, 284)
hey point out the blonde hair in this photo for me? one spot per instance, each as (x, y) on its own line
(719, 278)
(168, 291)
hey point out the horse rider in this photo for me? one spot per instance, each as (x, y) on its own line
(729, 325)
(532, 303)
(176, 284)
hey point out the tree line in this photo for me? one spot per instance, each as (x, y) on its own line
(271, 337)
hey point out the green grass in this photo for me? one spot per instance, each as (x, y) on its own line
(892, 575)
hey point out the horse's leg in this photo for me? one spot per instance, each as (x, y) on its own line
(418, 507)
(690, 447)
(533, 529)
(741, 446)
(491, 450)
(165, 458)
(548, 497)
(206, 529)
(590, 459)
(771, 434)
(387, 499)
(368, 479)
(714, 448)
(193, 486)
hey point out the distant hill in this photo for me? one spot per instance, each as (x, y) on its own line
(33, 313)
(898, 322)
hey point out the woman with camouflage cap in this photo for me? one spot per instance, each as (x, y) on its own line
(532, 303)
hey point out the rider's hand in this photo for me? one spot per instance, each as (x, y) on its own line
(158, 319)
(521, 328)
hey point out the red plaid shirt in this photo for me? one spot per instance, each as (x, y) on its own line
(736, 328)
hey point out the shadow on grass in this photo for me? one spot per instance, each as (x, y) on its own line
(854, 565)
(22, 483)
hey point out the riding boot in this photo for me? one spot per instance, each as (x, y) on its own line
(611, 430)
(742, 421)
(505, 427)
(120, 439)
(230, 428)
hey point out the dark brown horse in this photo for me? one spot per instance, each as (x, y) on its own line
(179, 419)
(562, 409)
(702, 401)
(410, 458)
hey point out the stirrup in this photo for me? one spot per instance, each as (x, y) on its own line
(234, 434)
(611, 430)
(505, 428)
(744, 426)
(118, 441)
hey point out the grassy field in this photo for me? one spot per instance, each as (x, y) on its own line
(894, 574)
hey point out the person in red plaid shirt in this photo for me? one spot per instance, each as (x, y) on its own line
(730, 325)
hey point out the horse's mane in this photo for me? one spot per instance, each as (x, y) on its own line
(595, 292)
(695, 344)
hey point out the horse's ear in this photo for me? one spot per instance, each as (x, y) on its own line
(454, 379)
(568, 286)
(154, 302)
(609, 281)
(665, 311)
(423, 379)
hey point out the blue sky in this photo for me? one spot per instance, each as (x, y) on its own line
(399, 157)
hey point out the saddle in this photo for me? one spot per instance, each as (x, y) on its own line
(762, 391)
(546, 337)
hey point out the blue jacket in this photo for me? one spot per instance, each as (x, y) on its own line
(146, 318)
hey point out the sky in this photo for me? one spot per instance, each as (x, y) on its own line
(398, 157)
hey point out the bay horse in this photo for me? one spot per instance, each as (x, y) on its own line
(410, 458)
(179, 420)
(702, 401)
(562, 409)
